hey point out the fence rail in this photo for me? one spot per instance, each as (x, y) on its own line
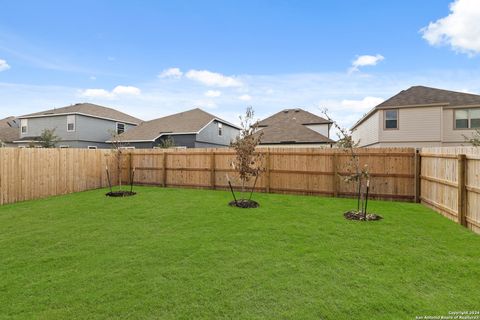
(298, 171)
(27, 174)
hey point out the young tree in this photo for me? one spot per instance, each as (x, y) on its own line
(118, 148)
(474, 139)
(166, 143)
(248, 163)
(48, 139)
(356, 173)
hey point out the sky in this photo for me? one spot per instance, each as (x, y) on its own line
(154, 58)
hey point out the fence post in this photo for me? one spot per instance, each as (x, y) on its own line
(212, 169)
(335, 173)
(462, 194)
(267, 171)
(130, 168)
(164, 169)
(418, 172)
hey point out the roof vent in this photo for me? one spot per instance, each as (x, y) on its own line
(285, 111)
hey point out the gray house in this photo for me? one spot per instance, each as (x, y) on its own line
(191, 129)
(82, 125)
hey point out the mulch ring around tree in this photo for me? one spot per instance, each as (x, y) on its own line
(120, 193)
(244, 203)
(357, 215)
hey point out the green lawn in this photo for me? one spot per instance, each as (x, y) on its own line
(183, 254)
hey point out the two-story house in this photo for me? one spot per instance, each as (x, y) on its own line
(190, 129)
(420, 117)
(82, 125)
(295, 128)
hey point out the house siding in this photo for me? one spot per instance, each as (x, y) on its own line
(209, 135)
(418, 127)
(450, 134)
(37, 125)
(95, 129)
(323, 129)
(367, 133)
(89, 131)
(415, 125)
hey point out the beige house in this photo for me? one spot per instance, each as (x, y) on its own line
(420, 117)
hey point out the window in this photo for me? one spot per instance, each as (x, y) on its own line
(64, 146)
(120, 127)
(71, 123)
(24, 125)
(92, 147)
(391, 119)
(220, 128)
(474, 118)
(467, 119)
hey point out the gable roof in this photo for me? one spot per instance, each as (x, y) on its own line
(421, 96)
(191, 121)
(87, 109)
(296, 115)
(9, 129)
(290, 126)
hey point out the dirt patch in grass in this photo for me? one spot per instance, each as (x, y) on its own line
(120, 193)
(357, 215)
(244, 203)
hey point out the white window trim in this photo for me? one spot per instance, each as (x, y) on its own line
(64, 146)
(24, 123)
(469, 119)
(385, 119)
(220, 129)
(124, 126)
(73, 122)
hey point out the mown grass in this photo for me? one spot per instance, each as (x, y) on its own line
(183, 254)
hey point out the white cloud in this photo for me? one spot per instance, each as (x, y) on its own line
(362, 105)
(4, 65)
(213, 93)
(460, 29)
(213, 79)
(347, 97)
(93, 78)
(105, 94)
(119, 90)
(365, 60)
(245, 97)
(173, 73)
(97, 93)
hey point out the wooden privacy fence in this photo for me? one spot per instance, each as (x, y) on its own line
(445, 179)
(27, 174)
(296, 171)
(450, 183)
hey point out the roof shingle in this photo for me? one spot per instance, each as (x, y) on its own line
(9, 129)
(88, 109)
(289, 126)
(190, 121)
